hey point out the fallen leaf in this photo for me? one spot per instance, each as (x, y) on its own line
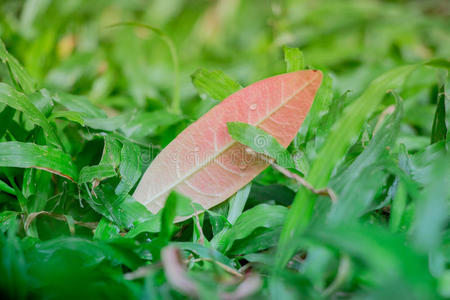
(206, 165)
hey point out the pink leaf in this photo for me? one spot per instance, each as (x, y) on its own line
(205, 164)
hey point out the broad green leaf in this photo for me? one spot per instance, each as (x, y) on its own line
(216, 84)
(341, 137)
(261, 142)
(20, 102)
(294, 59)
(28, 155)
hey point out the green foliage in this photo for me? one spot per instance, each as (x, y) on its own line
(216, 84)
(88, 100)
(294, 59)
(261, 142)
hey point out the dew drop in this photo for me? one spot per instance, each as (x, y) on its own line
(253, 106)
(196, 148)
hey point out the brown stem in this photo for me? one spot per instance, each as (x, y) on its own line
(323, 192)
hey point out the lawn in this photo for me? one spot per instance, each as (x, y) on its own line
(353, 205)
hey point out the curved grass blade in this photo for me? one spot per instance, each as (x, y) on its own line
(19, 101)
(19, 75)
(28, 155)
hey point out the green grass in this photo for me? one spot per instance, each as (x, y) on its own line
(86, 106)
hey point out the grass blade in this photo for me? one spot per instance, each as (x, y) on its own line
(261, 142)
(294, 59)
(342, 135)
(20, 102)
(19, 75)
(216, 84)
(439, 129)
(28, 155)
